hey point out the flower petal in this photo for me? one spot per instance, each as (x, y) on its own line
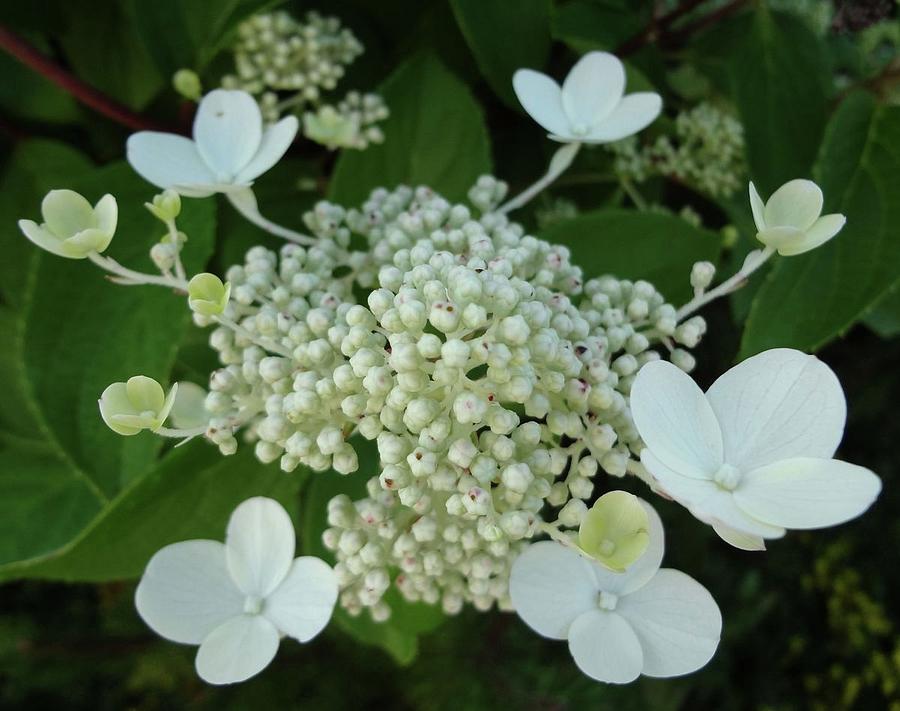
(643, 569)
(738, 539)
(677, 622)
(550, 586)
(186, 591)
(66, 213)
(675, 420)
(541, 97)
(170, 161)
(302, 605)
(83, 243)
(145, 394)
(593, 88)
(706, 500)
(43, 239)
(236, 650)
(634, 113)
(275, 142)
(189, 407)
(797, 203)
(106, 213)
(228, 131)
(259, 545)
(605, 647)
(778, 404)
(780, 238)
(758, 207)
(807, 493)
(822, 230)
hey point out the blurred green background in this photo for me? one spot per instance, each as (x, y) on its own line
(810, 624)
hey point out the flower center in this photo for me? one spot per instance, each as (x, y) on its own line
(253, 605)
(606, 547)
(727, 477)
(607, 600)
(580, 129)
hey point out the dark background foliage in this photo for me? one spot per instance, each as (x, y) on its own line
(812, 623)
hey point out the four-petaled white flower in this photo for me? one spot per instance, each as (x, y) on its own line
(231, 147)
(590, 106)
(791, 221)
(72, 228)
(236, 599)
(753, 455)
(647, 620)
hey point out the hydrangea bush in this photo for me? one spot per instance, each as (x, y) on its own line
(511, 405)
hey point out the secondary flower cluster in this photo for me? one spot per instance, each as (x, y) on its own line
(287, 64)
(706, 152)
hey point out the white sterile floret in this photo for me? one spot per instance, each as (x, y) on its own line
(237, 599)
(647, 620)
(590, 106)
(136, 405)
(792, 222)
(230, 149)
(753, 455)
(72, 228)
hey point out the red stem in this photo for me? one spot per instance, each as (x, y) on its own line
(86, 94)
(656, 26)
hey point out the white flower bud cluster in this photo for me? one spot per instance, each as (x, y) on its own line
(276, 53)
(350, 124)
(707, 152)
(493, 381)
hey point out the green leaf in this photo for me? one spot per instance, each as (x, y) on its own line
(189, 495)
(637, 245)
(777, 72)
(398, 636)
(435, 136)
(69, 334)
(586, 25)
(525, 30)
(884, 319)
(809, 299)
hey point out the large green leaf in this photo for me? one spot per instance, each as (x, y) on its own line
(69, 333)
(504, 39)
(398, 636)
(809, 299)
(435, 136)
(637, 245)
(587, 25)
(189, 495)
(884, 319)
(777, 72)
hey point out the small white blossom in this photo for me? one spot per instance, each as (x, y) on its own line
(71, 227)
(230, 149)
(139, 404)
(792, 221)
(237, 599)
(590, 107)
(646, 620)
(753, 455)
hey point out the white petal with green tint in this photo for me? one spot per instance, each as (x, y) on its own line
(797, 203)
(236, 650)
(66, 213)
(186, 591)
(805, 493)
(274, 144)
(170, 161)
(675, 420)
(259, 545)
(778, 404)
(44, 239)
(541, 97)
(676, 621)
(758, 207)
(228, 131)
(616, 530)
(633, 114)
(605, 647)
(822, 230)
(302, 604)
(592, 89)
(551, 585)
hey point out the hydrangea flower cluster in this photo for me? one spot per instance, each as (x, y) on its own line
(493, 380)
(706, 152)
(497, 383)
(288, 64)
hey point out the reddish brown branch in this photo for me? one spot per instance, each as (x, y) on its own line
(702, 23)
(657, 25)
(68, 82)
